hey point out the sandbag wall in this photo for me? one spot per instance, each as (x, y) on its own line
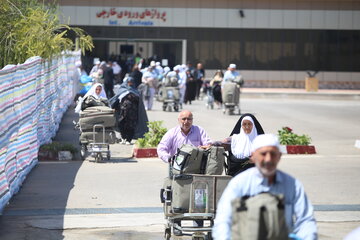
(33, 98)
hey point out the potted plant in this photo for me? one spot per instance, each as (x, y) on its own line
(146, 146)
(56, 151)
(295, 144)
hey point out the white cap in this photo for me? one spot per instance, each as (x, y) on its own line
(166, 69)
(157, 63)
(78, 63)
(96, 61)
(232, 65)
(152, 64)
(176, 68)
(265, 140)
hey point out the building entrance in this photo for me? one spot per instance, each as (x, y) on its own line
(167, 52)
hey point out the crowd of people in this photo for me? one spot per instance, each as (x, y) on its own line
(149, 76)
(131, 118)
(253, 155)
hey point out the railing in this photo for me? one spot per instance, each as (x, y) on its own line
(33, 98)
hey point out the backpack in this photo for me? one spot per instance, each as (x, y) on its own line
(260, 217)
(193, 160)
(234, 165)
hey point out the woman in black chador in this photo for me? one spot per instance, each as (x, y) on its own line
(129, 111)
(240, 141)
(190, 91)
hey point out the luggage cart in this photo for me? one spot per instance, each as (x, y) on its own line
(99, 150)
(175, 221)
(196, 233)
(230, 97)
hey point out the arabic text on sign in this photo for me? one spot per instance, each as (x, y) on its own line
(147, 13)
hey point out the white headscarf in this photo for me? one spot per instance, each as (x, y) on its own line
(241, 143)
(93, 93)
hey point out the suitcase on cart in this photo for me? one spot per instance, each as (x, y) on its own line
(193, 193)
(93, 111)
(231, 93)
(191, 197)
(96, 115)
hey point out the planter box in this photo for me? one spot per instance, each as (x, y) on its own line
(44, 155)
(65, 156)
(299, 149)
(145, 152)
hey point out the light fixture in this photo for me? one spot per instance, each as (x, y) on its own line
(241, 12)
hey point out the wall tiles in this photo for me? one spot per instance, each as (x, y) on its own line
(220, 18)
(290, 19)
(317, 19)
(331, 19)
(249, 21)
(276, 19)
(262, 18)
(345, 20)
(303, 19)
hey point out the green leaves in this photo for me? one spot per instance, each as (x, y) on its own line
(59, 146)
(153, 137)
(29, 28)
(287, 137)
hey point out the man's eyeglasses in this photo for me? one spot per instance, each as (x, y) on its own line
(189, 119)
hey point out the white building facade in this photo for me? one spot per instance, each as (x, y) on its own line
(273, 42)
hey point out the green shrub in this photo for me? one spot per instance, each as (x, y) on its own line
(153, 137)
(287, 137)
(32, 28)
(58, 146)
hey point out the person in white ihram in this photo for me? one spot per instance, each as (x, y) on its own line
(230, 74)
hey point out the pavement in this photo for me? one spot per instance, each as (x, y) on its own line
(119, 199)
(286, 93)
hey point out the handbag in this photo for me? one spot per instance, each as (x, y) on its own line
(236, 165)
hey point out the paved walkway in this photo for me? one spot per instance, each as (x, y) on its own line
(327, 94)
(85, 200)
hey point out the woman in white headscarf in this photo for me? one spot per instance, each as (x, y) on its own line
(240, 140)
(241, 143)
(96, 92)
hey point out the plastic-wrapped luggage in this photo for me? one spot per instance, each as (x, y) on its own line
(96, 115)
(171, 93)
(231, 93)
(193, 193)
(194, 160)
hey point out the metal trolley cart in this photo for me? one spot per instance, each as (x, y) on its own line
(189, 198)
(96, 125)
(99, 150)
(231, 96)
